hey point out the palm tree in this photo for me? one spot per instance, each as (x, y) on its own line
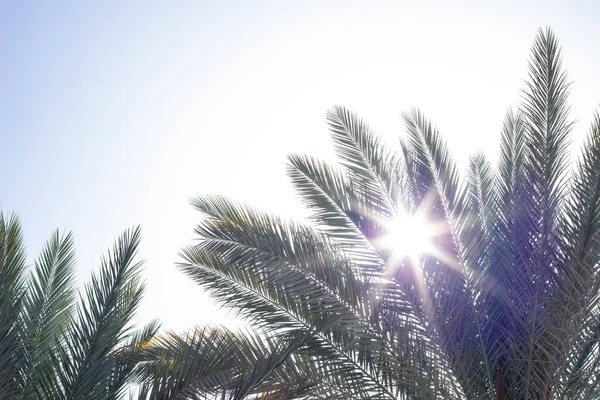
(503, 303)
(52, 347)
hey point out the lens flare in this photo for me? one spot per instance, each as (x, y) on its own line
(409, 236)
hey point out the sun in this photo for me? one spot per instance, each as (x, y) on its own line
(409, 235)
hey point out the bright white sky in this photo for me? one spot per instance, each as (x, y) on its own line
(116, 113)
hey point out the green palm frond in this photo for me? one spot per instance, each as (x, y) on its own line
(325, 190)
(12, 280)
(181, 366)
(373, 168)
(457, 321)
(127, 358)
(47, 307)
(579, 302)
(218, 362)
(256, 379)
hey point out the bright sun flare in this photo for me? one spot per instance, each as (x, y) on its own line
(409, 235)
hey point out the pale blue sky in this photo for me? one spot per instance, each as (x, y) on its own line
(115, 113)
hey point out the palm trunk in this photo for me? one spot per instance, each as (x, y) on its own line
(500, 386)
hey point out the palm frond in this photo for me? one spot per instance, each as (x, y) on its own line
(182, 366)
(221, 363)
(326, 191)
(373, 168)
(47, 307)
(460, 324)
(12, 279)
(546, 127)
(578, 295)
(255, 380)
(127, 358)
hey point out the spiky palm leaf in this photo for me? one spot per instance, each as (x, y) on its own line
(506, 303)
(47, 308)
(12, 279)
(220, 363)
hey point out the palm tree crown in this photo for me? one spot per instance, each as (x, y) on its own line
(54, 347)
(503, 303)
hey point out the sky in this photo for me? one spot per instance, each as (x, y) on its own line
(116, 113)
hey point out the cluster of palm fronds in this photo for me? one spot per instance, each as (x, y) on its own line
(52, 346)
(504, 304)
(57, 345)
